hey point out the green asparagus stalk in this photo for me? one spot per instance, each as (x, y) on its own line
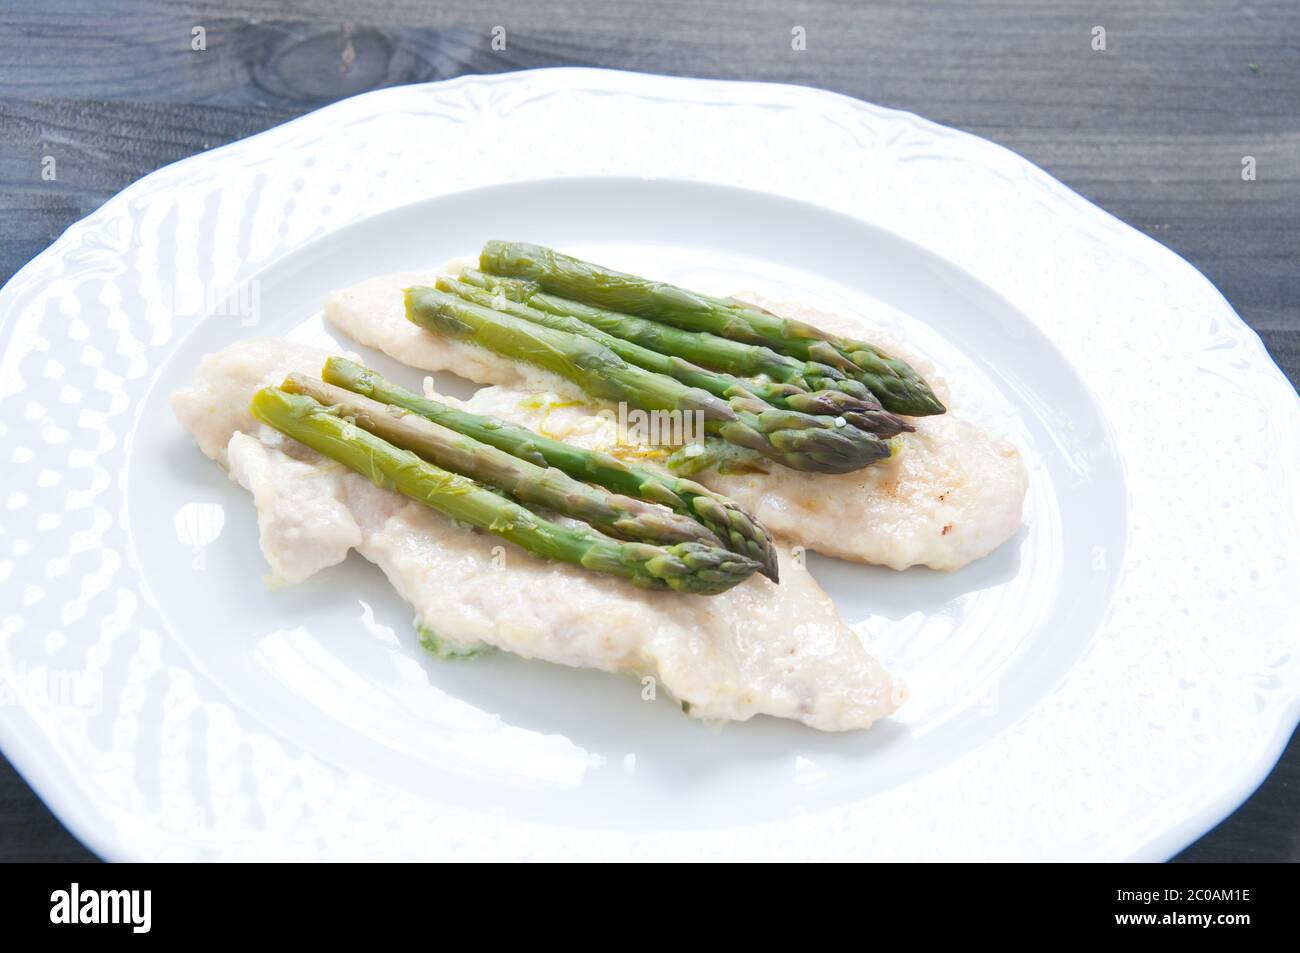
(612, 514)
(627, 336)
(685, 567)
(739, 531)
(708, 350)
(900, 389)
(799, 441)
(701, 347)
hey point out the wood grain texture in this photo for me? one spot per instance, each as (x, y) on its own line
(1153, 129)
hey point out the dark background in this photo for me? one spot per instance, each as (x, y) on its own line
(1153, 130)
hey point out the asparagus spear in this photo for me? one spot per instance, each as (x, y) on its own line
(798, 441)
(709, 350)
(685, 567)
(900, 389)
(612, 514)
(626, 335)
(701, 347)
(738, 531)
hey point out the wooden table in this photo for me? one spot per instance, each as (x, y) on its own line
(1154, 128)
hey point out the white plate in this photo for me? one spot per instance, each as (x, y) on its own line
(1107, 685)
